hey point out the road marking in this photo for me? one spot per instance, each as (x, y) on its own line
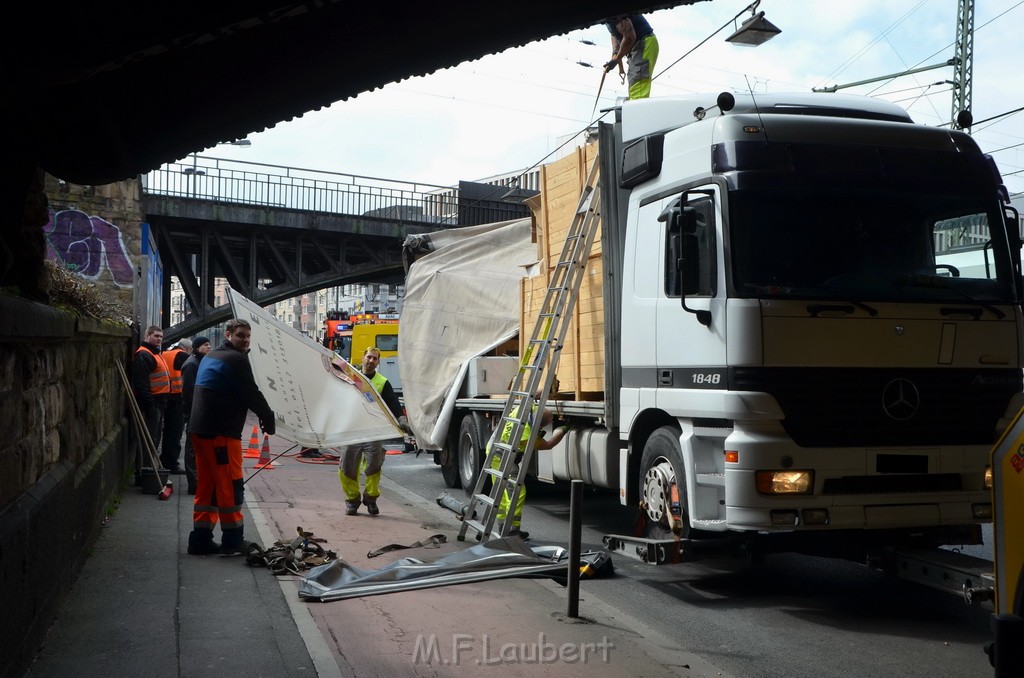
(319, 652)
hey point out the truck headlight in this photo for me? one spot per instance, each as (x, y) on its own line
(785, 482)
(988, 477)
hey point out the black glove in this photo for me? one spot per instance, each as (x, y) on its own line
(268, 425)
(610, 65)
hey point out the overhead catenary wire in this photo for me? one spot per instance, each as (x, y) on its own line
(940, 51)
(930, 89)
(852, 60)
(997, 117)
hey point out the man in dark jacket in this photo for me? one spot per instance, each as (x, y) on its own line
(224, 392)
(150, 382)
(200, 347)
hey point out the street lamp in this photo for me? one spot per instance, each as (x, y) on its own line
(194, 171)
(754, 31)
(191, 173)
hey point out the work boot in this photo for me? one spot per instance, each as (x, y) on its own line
(351, 507)
(236, 549)
(516, 532)
(371, 505)
(201, 543)
(232, 542)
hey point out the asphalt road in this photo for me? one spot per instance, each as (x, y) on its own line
(790, 617)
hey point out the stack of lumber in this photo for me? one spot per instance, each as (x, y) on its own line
(580, 370)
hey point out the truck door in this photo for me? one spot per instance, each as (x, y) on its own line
(690, 335)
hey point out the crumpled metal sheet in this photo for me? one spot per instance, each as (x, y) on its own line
(496, 559)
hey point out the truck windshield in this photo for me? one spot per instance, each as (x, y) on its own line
(867, 246)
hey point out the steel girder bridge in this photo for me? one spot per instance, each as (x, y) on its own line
(273, 233)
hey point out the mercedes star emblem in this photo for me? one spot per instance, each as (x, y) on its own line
(900, 399)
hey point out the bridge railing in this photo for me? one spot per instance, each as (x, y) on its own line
(258, 184)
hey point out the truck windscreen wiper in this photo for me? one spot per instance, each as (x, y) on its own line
(939, 282)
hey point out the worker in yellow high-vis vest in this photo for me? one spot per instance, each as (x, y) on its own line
(368, 458)
(541, 443)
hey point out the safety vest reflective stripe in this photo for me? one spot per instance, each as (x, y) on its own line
(378, 380)
(217, 509)
(173, 374)
(506, 432)
(159, 381)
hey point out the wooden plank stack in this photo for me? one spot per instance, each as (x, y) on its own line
(580, 369)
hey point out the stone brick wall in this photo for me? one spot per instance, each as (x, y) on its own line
(95, 232)
(65, 453)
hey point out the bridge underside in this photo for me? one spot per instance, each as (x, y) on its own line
(279, 257)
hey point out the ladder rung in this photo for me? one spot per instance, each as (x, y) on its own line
(475, 524)
(485, 499)
(562, 293)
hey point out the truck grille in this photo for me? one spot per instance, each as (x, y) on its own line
(846, 407)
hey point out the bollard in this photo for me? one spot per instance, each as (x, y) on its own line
(575, 528)
(1008, 630)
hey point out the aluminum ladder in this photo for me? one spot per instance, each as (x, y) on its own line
(529, 390)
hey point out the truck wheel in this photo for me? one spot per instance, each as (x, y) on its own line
(473, 435)
(663, 486)
(449, 465)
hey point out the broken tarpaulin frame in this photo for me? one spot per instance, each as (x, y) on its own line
(428, 543)
(302, 553)
(496, 559)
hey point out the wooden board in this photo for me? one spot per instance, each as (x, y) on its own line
(580, 372)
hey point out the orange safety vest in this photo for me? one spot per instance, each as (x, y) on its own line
(173, 374)
(159, 382)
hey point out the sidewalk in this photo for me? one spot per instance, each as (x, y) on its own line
(142, 607)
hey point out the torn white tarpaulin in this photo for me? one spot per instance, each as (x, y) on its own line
(496, 559)
(319, 400)
(461, 300)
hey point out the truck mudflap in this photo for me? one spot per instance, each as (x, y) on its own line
(948, 571)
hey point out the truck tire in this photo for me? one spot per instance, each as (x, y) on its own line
(661, 472)
(448, 460)
(473, 434)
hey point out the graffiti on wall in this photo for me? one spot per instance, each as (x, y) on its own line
(88, 246)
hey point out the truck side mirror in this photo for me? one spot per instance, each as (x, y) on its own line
(689, 265)
(684, 252)
(683, 255)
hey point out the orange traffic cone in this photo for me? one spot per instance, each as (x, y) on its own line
(264, 461)
(253, 451)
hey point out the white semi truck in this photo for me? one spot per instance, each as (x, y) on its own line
(790, 365)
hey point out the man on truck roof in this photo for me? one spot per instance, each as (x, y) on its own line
(633, 37)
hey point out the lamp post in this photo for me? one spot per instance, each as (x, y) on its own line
(195, 171)
(191, 173)
(754, 31)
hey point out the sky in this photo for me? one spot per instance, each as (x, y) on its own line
(508, 112)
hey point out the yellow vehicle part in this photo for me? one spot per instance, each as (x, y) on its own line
(382, 336)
